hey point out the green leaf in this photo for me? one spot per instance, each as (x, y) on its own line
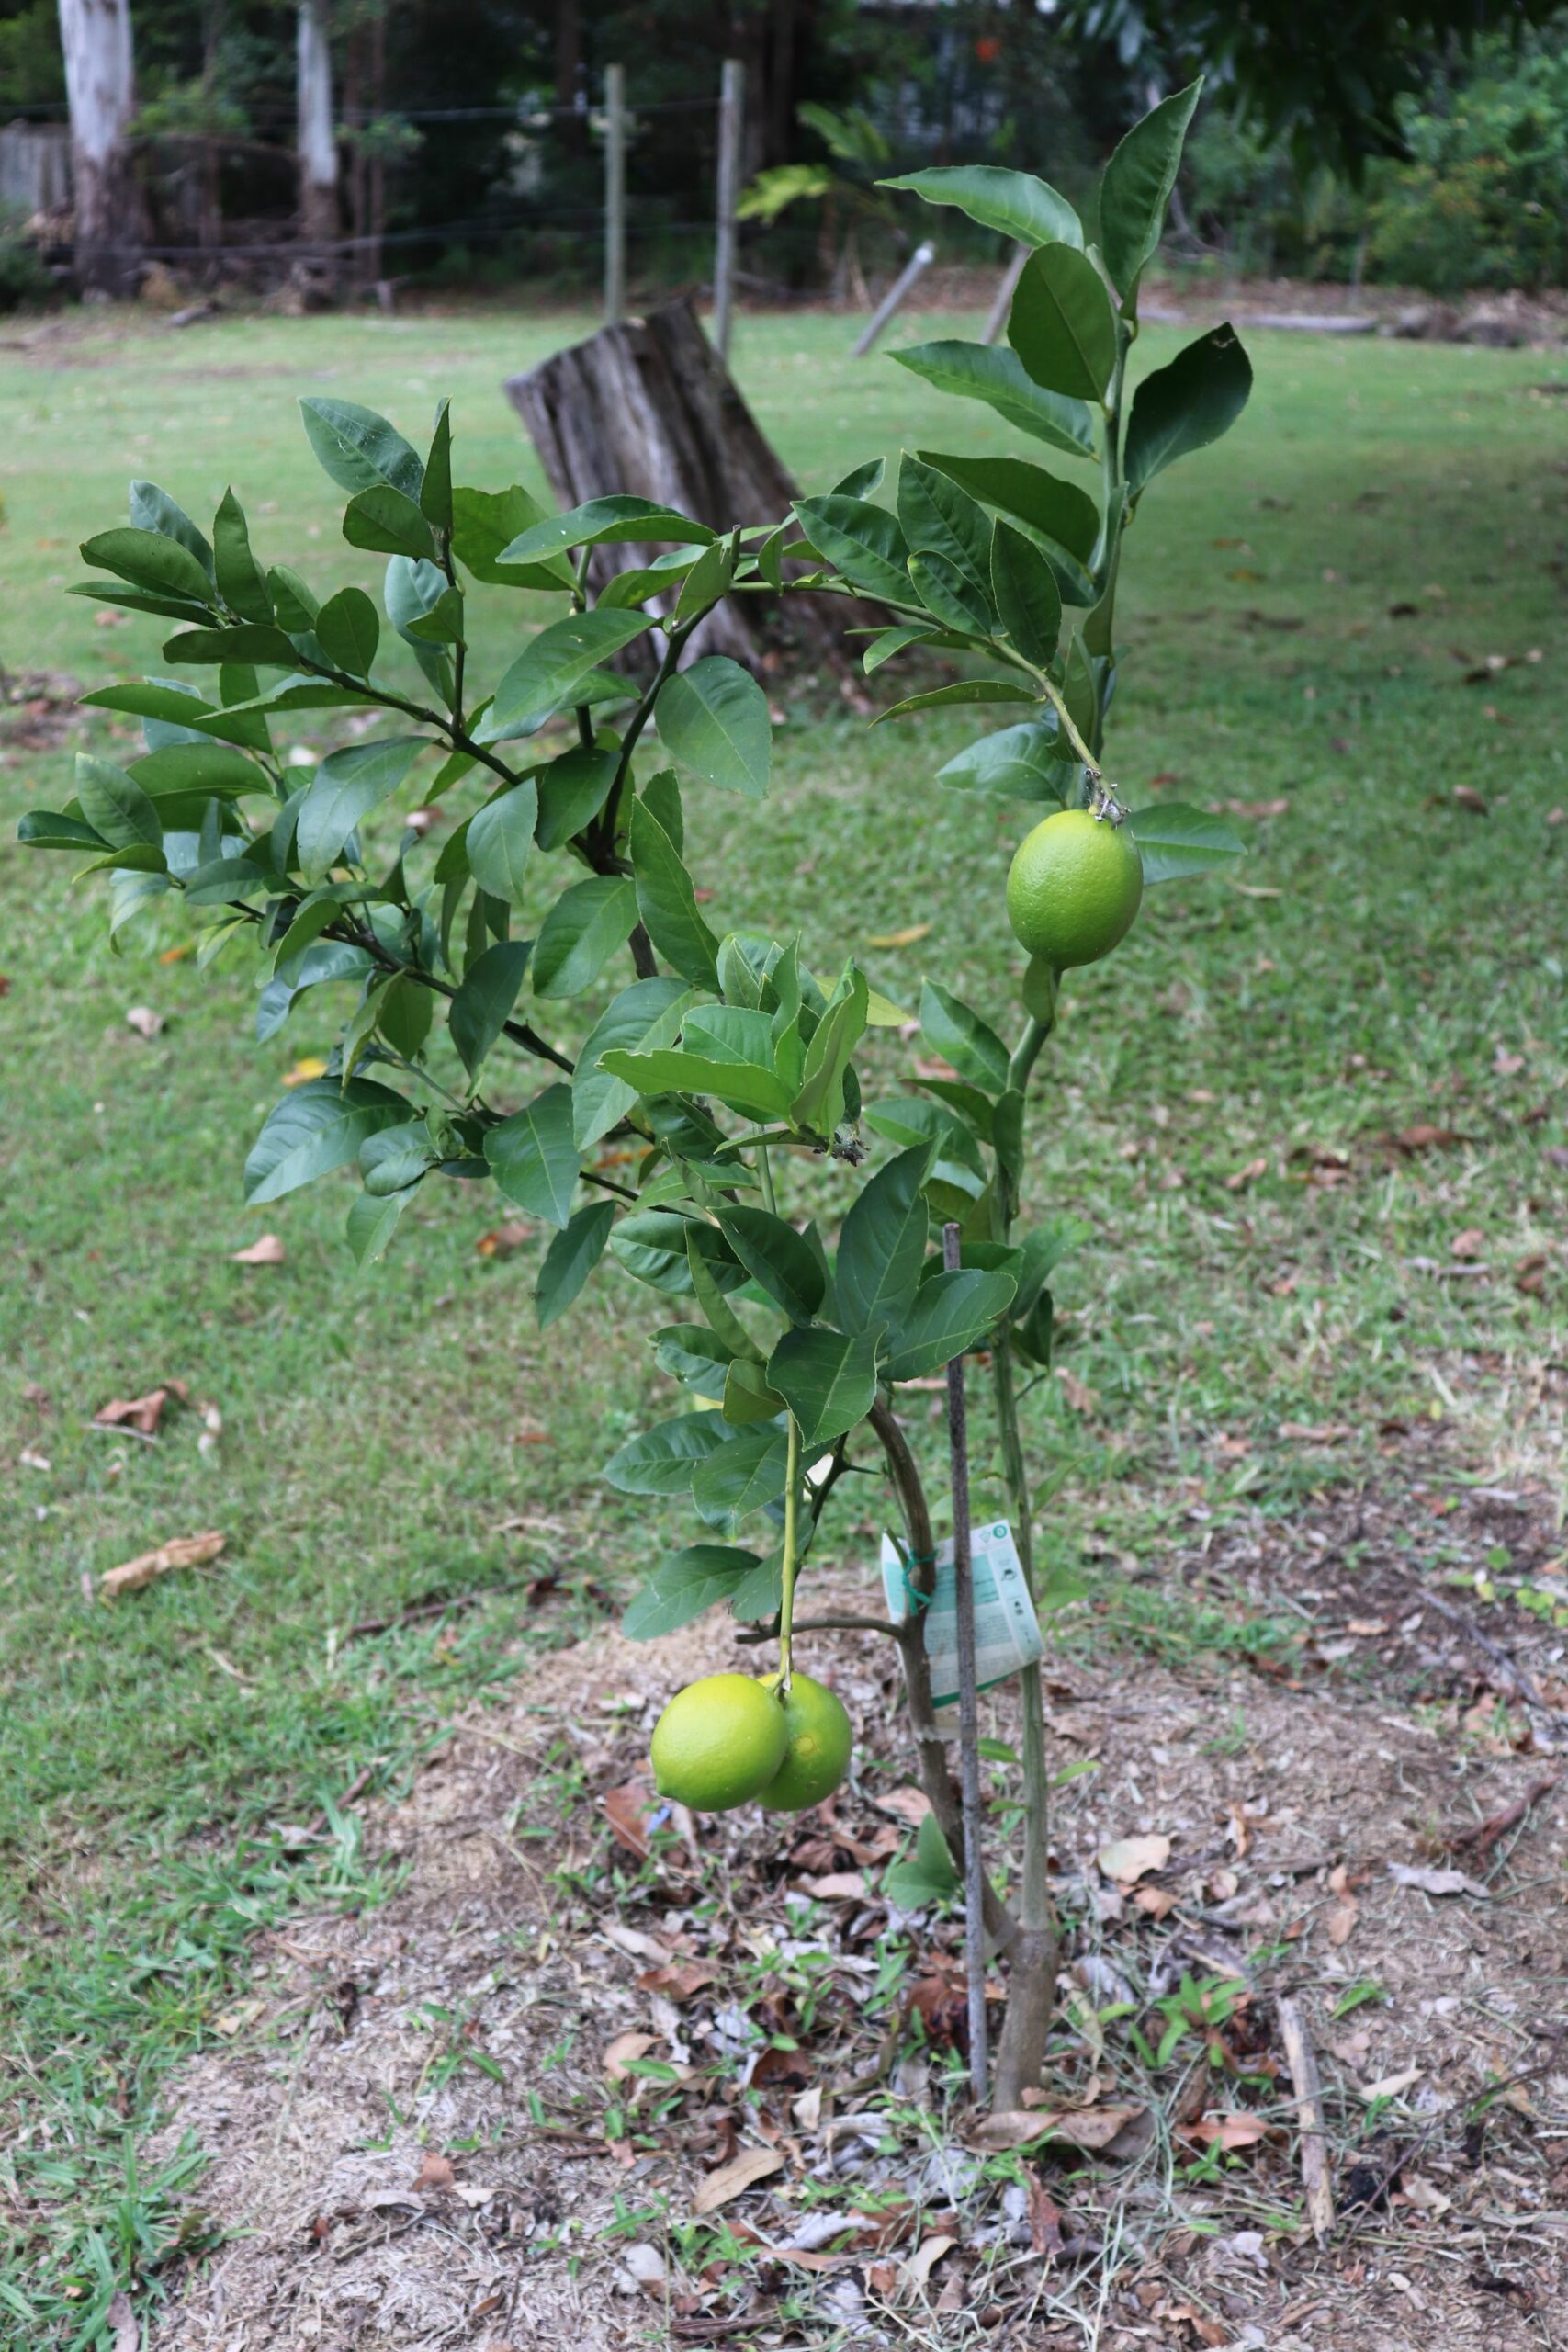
(1015, 204)
(883, 1244)
(348, 630)
(571, 1257)
(1176, 842)
(389, 522)
(819, 1102)
(436, 490)
(974, 371)
(661, 794)
(950, 1314)
(298, 941)
(358, 449)
(684, 1585)
(242, 582)
(544, 673)
(962, 1038)
(372, 1221)
(861, 541)
(1061, 324)
(742, 1477)
(714, 719)
(482, 1006)
(1136, 188)
(862, 482)
(484, 522)
(500, 841)
(1028, 599)
(328, 959)
(826, 1378)
(692, 1355)
(533, 1156)
(151, 560)
(667, 901)
(939, 517)
(950, 596)
(710, 1277)
(1043, 1249)
(348, 786)
(1187, 405)
(581, 933)
(889, 642)
(968, 690)
(777, 1257)
(661, 1460)
(1022, 763)
(755, 1093)
(658, 1247)
(604, 521)
(1059, 511)
(153, 509)
(115, 804)
(572, 790)
(395, 1158)
(924, 1875)
(646, 1015)
(242, 641)
(44, 829)
(317, 1128)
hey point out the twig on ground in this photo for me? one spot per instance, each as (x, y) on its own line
(1485, 1834)
(1303, 2061)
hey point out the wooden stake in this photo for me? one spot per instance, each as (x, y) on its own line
(915, 266)
(731, 110)
(1302, 2061)
(968, 1705)
(614, 194)
(1005, 293)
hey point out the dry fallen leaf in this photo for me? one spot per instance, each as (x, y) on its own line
(234, 2020)
(141, 1412)
(678, 1980)
(1434, 1881)
(1466, 795)
(733, 2178)
(622, 2049)
(183, 1552)
(910, 1805)
(1227, 2131)
(838, 1886)
(120, 2315)
(1158, 1901)
(31, 1459)
(1341, 1923)
(435, 2172)
(144, 1021)
(914, 2273)
(505, 1239)
(1086, 2127)
(309, 1065)
(905, 938)
(1470, 1243)
(624, 1809)
(267, 1249)
(1127, 1859)
(1080, 1397)
(1530, 1274)
(934, 1067)
(1392, 2084)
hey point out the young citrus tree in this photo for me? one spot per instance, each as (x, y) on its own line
(554, 947)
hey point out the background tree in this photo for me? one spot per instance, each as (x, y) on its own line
(94, 36)
(318, 140)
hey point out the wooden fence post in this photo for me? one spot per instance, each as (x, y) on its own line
(919, 263)
(614, 194)
(731, 108)
(968, 1715)
(1005, 293)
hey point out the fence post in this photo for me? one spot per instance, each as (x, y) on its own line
(919, 262)
(1005, 293)
(968, 1718)
(614, 194)
(731, 104)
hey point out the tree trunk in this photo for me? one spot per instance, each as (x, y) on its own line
(100, 86)
(317, 141)
(647, 407)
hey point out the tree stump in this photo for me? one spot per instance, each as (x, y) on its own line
(647, 408)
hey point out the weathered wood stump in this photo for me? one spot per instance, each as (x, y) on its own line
(647, 407)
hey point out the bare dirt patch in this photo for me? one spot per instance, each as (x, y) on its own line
(490, 2111)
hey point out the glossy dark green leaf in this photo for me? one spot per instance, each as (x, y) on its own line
(963, 690)
(395, 1158)
(827, 1379)
(358, 449)
(862, 482)
(242, 641)
(960, 1035)
(1136, 188)
(484, 522)
(1015, 204)
(644, 1017)
(605, 522)
(1061, 324)
(1176, 842)
(348, 630)
(327, 959)
(978, 372)
(1187, 405)
(534, 1157)
(242, 582)
(115, 804)
(661, 1460)
(581, 933)
(372, 1222)
(572, 789)
(206, 768)
(1042, 1251)
(951, 597)
(819, 1103)
(153, 509)
(500, 841)
(1022, 763)
(348, 785)
(1059, 511)
(1028, 600)
(571, 1257)
(714, 719)
(667, 902)
(890, 641)
(949, 1312)
(862, 541)
(939, 517)
(389, 522)
(407, 1012)
(44, 829)
(151, 560)
(882, 1245)
(542, 678)
(317, 1128)
(777, 1257)
(483, 1005)
(755, 1093)
(741, 1476)
(694, 1355)
(685, 1585)
(436, 490)
(924, 1875)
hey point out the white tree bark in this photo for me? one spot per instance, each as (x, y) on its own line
(100, 86)
(317, 142)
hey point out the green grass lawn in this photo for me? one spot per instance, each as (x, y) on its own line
(1303, 607)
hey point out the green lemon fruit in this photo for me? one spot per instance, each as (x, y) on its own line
(718, 1742)
(1074, 887)
(817, 1754)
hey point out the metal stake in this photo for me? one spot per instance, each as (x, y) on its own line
(968, 1705)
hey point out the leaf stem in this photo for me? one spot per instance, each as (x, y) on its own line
(791, 1536)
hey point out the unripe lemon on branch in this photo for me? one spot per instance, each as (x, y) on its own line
(1074, 887)
(725, 1739)
(817, 1754)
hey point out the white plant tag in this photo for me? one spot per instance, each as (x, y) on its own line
(1007, 1632)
